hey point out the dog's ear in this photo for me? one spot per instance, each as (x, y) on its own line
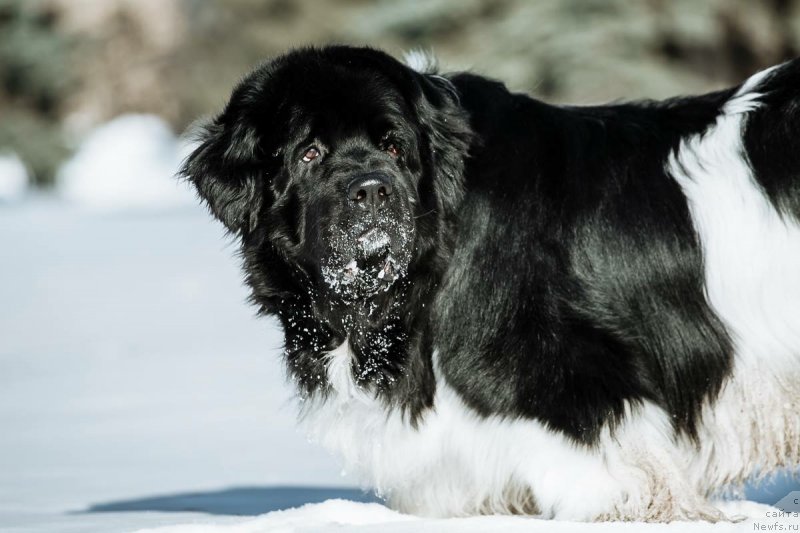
(227, 170)
(448, 137)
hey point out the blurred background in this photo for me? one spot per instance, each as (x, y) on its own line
(134, 380)
(68, 66)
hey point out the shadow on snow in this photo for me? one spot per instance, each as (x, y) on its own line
(236, 501)
(249, 501)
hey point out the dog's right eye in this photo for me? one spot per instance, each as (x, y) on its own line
(311, 154)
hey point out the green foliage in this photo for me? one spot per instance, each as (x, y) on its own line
(179, 58)
(34, 81)
(37, 141)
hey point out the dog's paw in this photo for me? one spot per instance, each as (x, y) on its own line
(670, 509)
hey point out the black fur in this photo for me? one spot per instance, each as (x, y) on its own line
(553, 264)
(771, 141)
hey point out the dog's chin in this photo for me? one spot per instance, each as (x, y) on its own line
(359, 280)
(366, 257)
(369, 265)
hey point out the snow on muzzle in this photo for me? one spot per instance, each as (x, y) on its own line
(367, 257)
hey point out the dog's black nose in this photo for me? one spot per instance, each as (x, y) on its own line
(370, 191)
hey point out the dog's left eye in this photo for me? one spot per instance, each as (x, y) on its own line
(311, 154)
(392, 149)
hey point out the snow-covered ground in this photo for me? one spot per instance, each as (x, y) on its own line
(136, 387)
(130, 367)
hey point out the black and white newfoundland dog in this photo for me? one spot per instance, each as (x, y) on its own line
(496, 305)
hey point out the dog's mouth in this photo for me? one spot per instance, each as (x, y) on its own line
(366, 262)
(383, 271)
(373, 242)
(374, 257)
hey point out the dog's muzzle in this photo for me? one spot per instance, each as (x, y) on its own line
(372, 247)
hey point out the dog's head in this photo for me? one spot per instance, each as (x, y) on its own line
(341, 164)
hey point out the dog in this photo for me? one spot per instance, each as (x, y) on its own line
(492, 304)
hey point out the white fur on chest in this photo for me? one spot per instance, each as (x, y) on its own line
(455, 462)
(451, 463)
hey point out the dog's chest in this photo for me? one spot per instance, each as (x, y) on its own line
(452, 461)
(376, 443)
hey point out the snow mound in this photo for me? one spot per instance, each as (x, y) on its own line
(341, 515)
(13, 178)
(127, 163)
(311, 517)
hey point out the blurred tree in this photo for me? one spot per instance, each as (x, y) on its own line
(69, 65)
(35, 78)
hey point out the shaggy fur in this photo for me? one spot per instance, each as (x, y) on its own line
(493, 304)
